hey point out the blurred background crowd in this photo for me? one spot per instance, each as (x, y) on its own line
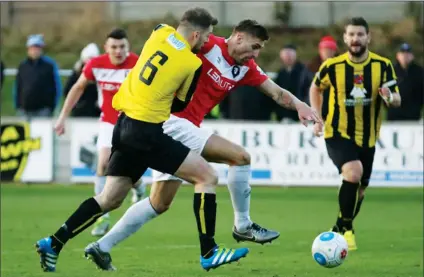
(37, 89)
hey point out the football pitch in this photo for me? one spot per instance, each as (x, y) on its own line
(389, 234)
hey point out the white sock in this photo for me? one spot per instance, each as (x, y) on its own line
(238, 185)
(136, 216)
(99, 184)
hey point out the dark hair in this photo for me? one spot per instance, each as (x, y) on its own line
(117, 34)
(358, 21)
(198, 17)
(253, 28)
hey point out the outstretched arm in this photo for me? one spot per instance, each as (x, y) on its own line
(287, 100)
(281, 96)
(73, 96)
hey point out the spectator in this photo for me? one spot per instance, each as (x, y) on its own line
(293, 76)
(327, 48)
(1, 74)
(411, 86)
(38, 87)
(87, 104)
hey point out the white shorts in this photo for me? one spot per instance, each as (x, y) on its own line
(104, 140)
(188, 134)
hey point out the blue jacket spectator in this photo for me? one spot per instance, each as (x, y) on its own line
(38, 87)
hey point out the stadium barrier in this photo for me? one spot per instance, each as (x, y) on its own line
(281, 154)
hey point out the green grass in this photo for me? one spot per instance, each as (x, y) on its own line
(389, 234)
(7, 104)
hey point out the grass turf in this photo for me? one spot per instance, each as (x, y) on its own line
(389, 234)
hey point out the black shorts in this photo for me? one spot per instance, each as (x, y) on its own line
(342, 150)
(138, 145)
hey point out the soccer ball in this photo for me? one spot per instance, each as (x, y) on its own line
(329, 249)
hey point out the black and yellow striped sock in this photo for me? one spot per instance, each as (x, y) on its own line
(348, 197)
(204, 206)
(86, 214)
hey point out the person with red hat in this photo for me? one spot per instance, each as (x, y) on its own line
(327, 48)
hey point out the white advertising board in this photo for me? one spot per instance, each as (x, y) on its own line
(27, 151)
(291, 155)
(285, 154)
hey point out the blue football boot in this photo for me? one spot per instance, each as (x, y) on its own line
(222, 256)
(48, 257)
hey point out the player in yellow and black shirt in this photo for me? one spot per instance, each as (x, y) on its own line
(163, 80)
(359, 83)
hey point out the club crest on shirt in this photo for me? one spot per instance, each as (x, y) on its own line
(358, 94)
(358, 79)
(235, 71)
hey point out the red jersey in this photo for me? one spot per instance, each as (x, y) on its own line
(109, 78)
(220, 74)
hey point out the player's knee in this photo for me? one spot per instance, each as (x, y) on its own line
(161, 201)
(109, 202)
(243, 158)
(352, 171)
(211, 178)
(161, 206)
(239, 157)
(205, 174)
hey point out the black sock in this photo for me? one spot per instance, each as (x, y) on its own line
(358, 207)
(86, 214)
(204, 206)
(348, 197)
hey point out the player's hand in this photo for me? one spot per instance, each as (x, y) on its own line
(385, 93)
(318, 129)
(59, 127)
(307, 114)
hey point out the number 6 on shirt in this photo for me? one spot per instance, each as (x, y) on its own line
(153, 68)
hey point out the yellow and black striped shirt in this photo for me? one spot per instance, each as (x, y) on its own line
(354, 105)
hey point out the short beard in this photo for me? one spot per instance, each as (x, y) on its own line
(358, 54)
(196, 49)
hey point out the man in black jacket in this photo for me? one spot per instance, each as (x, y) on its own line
(87, 105)
(38, 87)
(411, 86)
(295, 77)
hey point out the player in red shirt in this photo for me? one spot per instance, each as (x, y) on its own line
(227, 63)
(108, 71)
